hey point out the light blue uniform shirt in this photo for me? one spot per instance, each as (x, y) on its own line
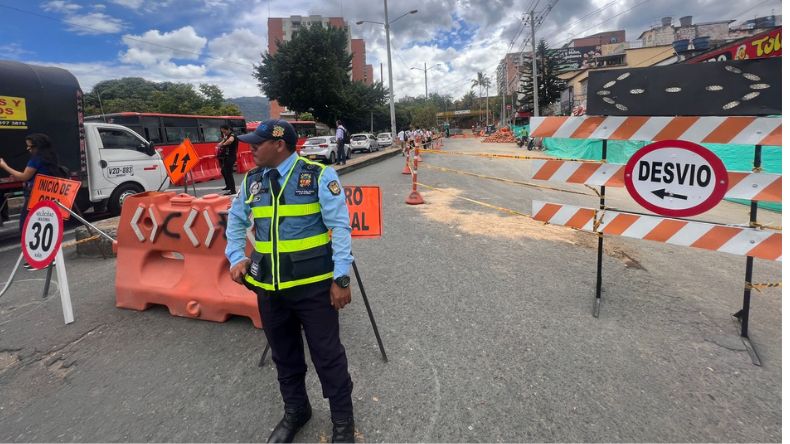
(333, 210)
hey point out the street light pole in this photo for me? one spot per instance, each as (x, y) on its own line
(387, 24)
(389, 68)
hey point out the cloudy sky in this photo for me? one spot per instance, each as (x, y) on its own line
(218, 41)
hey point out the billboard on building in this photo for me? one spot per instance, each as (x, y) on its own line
(763, 45)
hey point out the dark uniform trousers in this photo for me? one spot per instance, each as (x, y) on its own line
(284, 314)
(228, 163)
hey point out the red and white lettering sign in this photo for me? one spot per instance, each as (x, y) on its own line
(676, 178)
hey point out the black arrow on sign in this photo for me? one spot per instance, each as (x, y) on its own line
(184, 165)
(174, 165)
(664, 193)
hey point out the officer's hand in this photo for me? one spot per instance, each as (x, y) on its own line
(339, 296)
(238, 271)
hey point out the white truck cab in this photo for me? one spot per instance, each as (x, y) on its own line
(120, 163)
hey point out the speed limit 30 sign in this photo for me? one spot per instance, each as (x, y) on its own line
(42, 234)
(676, 178)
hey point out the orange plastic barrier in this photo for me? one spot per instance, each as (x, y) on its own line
(171, 252)
(244, 161)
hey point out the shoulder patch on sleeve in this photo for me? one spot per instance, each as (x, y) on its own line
(334, 187)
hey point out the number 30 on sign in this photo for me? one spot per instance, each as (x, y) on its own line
(42, 234)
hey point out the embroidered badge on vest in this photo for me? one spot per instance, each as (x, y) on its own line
(334, 187)
(306, 185)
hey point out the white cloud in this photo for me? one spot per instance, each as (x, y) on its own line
(131, 4)
(94, 23)
(60, 6)
(154, 47)
(99, 7)
(13, 51)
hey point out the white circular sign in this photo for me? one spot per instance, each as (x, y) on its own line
(676, 178)
(42, 234)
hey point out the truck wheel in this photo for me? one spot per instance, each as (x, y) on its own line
(119, 195)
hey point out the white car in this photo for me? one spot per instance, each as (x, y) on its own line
(322, 148)
(384, 139)
(364, 142)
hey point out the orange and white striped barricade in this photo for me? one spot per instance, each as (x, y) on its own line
(764, 187)
(754, 186)
(744, 241)
(171, 252)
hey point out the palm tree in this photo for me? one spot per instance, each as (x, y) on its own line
(482, 81)
(487, 83)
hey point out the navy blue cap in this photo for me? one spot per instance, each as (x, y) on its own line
(273, 129)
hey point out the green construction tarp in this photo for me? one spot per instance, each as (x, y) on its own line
(735, 157)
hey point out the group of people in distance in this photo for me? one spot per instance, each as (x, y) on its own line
(411, 138)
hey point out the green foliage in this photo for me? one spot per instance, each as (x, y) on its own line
(310, 73)
(549, 85)
(139, 95)
(306, 116)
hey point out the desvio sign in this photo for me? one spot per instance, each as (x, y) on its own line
(676, 178)
(364, 210)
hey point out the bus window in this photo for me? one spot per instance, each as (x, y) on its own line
(179, 128)
(210, 127)
(151, 129)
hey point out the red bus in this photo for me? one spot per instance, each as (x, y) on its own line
(305, 129)
(167, 131)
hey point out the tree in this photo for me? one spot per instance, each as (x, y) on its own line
(139, 95)
(549, 85)
(482, 81)
(310, 73)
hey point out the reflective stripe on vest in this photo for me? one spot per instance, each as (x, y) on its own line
(290, 263)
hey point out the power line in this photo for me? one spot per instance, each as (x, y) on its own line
(601, 22)
(573, 25)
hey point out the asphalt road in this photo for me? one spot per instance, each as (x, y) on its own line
(485, 316)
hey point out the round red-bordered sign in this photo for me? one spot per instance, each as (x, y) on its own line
(42, 234)
(676, 178)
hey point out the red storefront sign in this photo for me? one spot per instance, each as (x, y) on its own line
(761, 46)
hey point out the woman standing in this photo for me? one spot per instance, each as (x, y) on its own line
(43, 160)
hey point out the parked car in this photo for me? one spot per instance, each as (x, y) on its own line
(364, 142)
(322, 148)
(384, 139)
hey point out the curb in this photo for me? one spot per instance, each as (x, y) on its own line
(370, 160)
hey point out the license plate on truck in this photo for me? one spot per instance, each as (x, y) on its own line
(121, 171)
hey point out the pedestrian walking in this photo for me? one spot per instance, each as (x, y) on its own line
(402, 142)
(299, 272)
(340, 138)
(226, 155)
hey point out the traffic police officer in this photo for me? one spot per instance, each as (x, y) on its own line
(299, 273)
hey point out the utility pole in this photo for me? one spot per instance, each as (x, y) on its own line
(389, 68)
(382, 72)
(535, 110)
(425, 70)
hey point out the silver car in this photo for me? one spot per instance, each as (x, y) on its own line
(364, 142)
(323, 148)
(384, 139)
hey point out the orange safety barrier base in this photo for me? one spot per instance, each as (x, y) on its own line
(244, 161)
(207, 169)
(171, 252)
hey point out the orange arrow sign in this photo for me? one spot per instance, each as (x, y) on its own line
(180, 161)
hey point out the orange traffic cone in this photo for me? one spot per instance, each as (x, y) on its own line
(406, 169)
(414, 197)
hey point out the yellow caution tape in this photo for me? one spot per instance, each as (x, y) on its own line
(760, 286)
(517, 182)
(81, 241)
(759, 225)
(506, 156)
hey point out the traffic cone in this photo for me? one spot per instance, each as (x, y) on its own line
(406, 169)
(414, 197)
